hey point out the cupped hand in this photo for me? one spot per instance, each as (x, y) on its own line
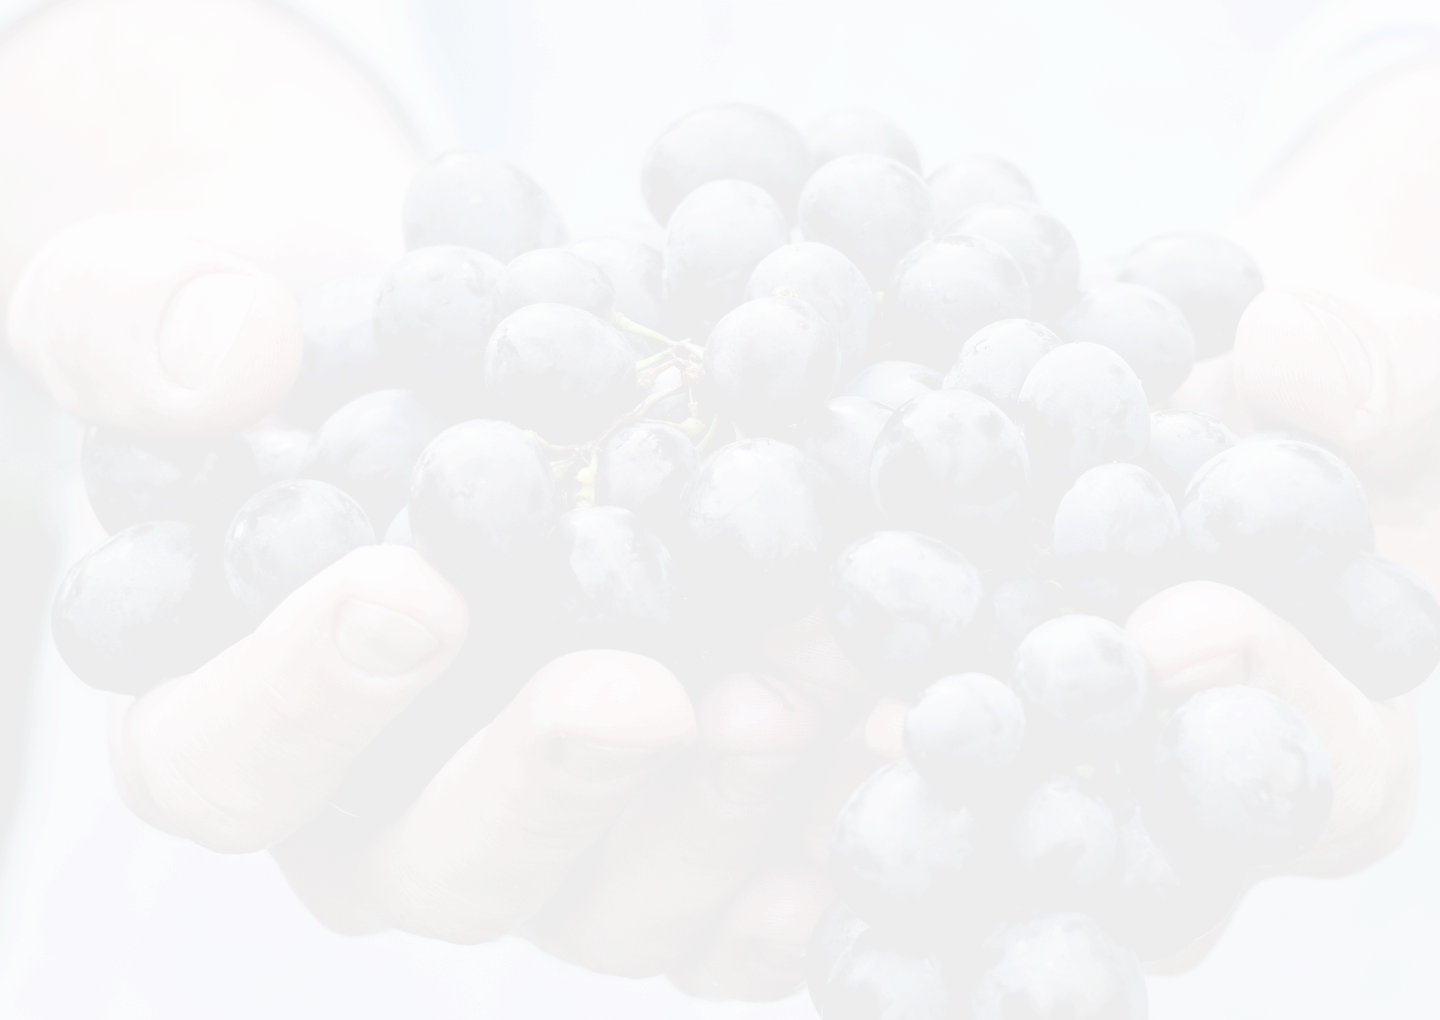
(600, 813)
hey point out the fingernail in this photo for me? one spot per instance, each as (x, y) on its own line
(746, 779)
(781, 955)
(1208, 673)
(381, 641)
(201, 324)
(1354, 358)
(600, 762)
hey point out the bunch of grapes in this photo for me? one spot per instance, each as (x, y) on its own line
(839, 388)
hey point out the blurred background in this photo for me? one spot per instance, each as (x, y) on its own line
(1131, 118)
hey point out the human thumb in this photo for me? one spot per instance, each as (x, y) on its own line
(1359, 368)
(173, 323)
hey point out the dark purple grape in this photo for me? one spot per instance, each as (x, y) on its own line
(771, 363)
(614, 583)
(871, 208)
(995, 361)
(1155, 905)
(286, 534)
(1116, 536)
(481, 499)
(1037, 241)
(480, 201)
(636, 271)
(1181, 441)
(279, 450)
(715, 238)
(131, 479)
(951, 464)
(841, 442)
(975, 179)
(881, 978)
(1275, 517)
(1063, 841)
(560, 371)
(341, 359)
(832, 937)
(1083, 676)
(554, 276)
(831, 284)
(369, 448)
(147, 605)
(853, 130)
(902, 856)
(435, 312)
(398, 530)
(945, 291)
(1060, 967)
(732, 142)
(1239, 777)
(963, 730)
(899, 605)
(1377, 623)
(759, 530)
(1081, 406)
(893, 383)
(1018, 603)
(1142, 326)
(1209, 277)
(644, 468)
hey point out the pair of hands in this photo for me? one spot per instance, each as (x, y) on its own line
(603, 813)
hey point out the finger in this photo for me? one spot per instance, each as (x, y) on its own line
(495, 832)
(142, 322)
(1360, 369)
(758, 950)
(1200, 635)
(242, 751)
(1210, 387)
(805, 654)
(690, 842)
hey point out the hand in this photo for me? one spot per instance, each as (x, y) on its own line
(601, 813)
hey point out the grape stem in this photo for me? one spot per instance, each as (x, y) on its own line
(631, 326)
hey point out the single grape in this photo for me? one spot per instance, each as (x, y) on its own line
(715, 238)
(951, 464)
(1081, 675)
(554, 276)
(1210, 278)
(131, 479)
(645, 467)
(1142, 326)
(771, 363)
(560, 371)
(1276, 517)
(853, 130)
(832, 937)
(881, 978)
(893, 383)
(279, 450)
(841, 442)
(732, 142)
(1018, 603)
(286, 534)
(962, 730)
(995, 361)
(1059, 967)
(974, 179)
(341, 359)
(831, 284)
(1181, 441)
(1038, 242)
(1115, 536)
(899, 605)
(673, 395)
(435, 312)
(945, 291)
(636, 271)
(872, 208)
(147, 605)
(1064, 843)
(480, 201)
(481, 499)
(369, 448)
(1239, 777)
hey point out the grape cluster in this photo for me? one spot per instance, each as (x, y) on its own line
(841, 388)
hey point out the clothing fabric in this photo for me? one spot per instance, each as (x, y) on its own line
(1131, 117)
